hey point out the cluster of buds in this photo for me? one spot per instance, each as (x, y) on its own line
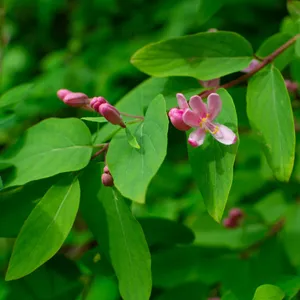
(99, 104)
(106, 177)
(234, 218)
(108, 111)
(201, 116)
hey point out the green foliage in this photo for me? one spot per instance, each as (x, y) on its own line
(51, 147)
(153, 235)
(115, 228)
(51, 219)
(270, 113)
(126, 163)
(203, 56)
(212, 164)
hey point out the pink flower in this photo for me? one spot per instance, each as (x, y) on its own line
(176, 114)
(253, 64)
(109, 112)
(202, 116)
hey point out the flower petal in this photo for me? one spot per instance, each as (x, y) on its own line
(182, 103)
(175, 116)
(196, 138)
(214, 103)
(198, 106)
(225, 135)
(191, 118)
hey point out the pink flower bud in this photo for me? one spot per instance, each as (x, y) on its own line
(76, 99)
(175, 116)
(253, 64)
(107, 179)
(212, 30)
(210, 83)
(236, 214)
(229, 223)
(291, 86)
(111, 114)
(62, 93)
(96, 102)
(106, 170)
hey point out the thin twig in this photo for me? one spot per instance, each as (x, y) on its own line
(100, 151)
(267, 60)
(272, 232)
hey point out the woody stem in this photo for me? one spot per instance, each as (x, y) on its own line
(267, 60)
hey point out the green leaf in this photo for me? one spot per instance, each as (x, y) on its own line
(290, 285)
(191, 290)
(103, 288)
(207, 10)
(58, 279)
(51, 147)
(46, 228)
(178, 265)
(17, 204)
(268, 292)
(118, 233)
(294, 8)
(204, 56)
(95, 119)
(229, 296)
(212, 163)
(137, 100)
(133, 169)
(274, 42)
(15, 95)
(270, 114)
(166, 232)
(291, 233)
(131, 139)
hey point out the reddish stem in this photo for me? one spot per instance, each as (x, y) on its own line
(267, 60)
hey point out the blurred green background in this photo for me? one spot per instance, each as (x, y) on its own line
(86, 46)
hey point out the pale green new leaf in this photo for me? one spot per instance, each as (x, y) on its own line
(131, 139)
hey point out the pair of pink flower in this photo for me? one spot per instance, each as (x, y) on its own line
(200, 116)
(99, 104)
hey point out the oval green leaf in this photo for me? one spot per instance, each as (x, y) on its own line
(133, 169)
(204, 56)
(46, 228)
(268, 292)
(270, 113)
(51, 147)
(118, 233)
(212, 163)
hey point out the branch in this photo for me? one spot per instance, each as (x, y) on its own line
(267, 60)
(272, 232)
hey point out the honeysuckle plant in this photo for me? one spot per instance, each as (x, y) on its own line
(98, 167)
